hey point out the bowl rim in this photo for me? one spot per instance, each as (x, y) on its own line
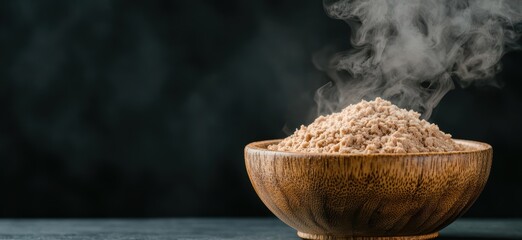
(262, 146)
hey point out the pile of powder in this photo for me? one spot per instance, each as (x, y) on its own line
(369, 127)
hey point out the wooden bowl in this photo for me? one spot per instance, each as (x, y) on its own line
(368, 196)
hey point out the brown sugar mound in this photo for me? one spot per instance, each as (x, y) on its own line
(376, 126)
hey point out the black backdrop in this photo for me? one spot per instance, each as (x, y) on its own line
(142, 108)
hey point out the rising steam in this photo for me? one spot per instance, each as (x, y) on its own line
(412, 51)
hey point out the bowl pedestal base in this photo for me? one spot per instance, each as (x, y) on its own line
(329, 237)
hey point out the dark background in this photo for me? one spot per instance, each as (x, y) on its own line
(142, 108)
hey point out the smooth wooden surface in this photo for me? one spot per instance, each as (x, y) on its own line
(342, 196)
(216, 229)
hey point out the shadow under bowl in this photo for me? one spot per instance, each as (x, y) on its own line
(368, 196)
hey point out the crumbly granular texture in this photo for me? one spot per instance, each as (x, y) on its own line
(375, 126)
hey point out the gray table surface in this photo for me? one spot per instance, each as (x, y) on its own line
(215, 228)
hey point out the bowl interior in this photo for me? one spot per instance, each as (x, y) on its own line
(471, 146)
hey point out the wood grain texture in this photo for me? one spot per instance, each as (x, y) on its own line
(373, 196)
